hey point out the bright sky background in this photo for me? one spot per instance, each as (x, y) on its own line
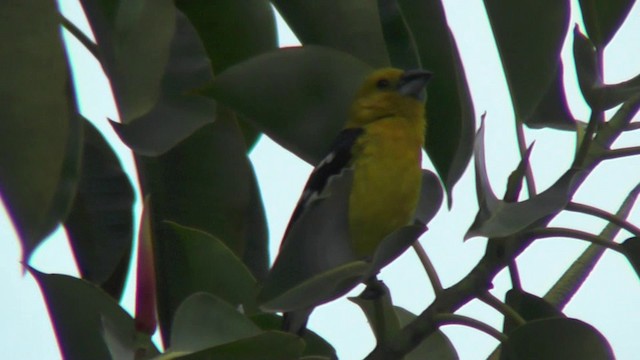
(608, 300)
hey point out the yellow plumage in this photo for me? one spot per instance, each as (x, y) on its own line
(386, 159)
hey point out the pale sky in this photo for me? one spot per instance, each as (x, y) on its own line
(608, 300)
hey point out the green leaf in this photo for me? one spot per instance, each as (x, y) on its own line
(134, 39)
(399, 39)
(352, 26)
(598, 95)
(79, 312)
(278, 295)
(603, 18)
(529, 48)
(436, 346)
(100, 223)
(553, 111)
(375, 302)
(203, 321)
(497, 218)
(450, 113)
(556, 338)
(529, 306)
(233, 31)
(40, 135)
(271, 345)
(314, 344)
(227, 276)
(632, 248)
(316, 98)
(178, 111)
(206, 182)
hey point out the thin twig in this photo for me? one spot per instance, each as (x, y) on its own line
(522, 148)
(454, 319)
(591, 210)
(551, 232)
(618, 153)
(633, 126)
(502, 307)
(78, 34)
(428, 268)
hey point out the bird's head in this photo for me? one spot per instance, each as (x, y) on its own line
(390, 92)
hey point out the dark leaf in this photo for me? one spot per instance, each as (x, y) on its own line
(497, 218)
(81, 313)
(100, 223)
(271, 345)
(436, 346)
(632, 248)
(529, 48)
(299, 104)
(203, 321)
(450, 113)
(603, 18)
(556, 338)
(40, 135)
(529, 306)
(134, 41)
(375, 302)
(597, 94)
(352, 26)
(233, 31)
(553, 111)
(178, 111)
(399, 39)
(146, 319)
(206, 183)
(314, 344)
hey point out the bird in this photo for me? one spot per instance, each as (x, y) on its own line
(382, 143)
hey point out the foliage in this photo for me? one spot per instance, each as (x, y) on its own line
(197, 82)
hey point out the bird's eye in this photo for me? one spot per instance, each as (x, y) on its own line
(383, 84)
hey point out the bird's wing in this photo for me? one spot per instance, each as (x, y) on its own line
(338, 158)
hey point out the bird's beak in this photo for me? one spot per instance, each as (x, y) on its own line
(413, 82)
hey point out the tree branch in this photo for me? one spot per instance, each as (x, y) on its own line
(505, 309)
(453, 319)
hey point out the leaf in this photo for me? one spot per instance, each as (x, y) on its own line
(271, 345)
(529, 306)
(178, 111)
(603, 18)
(146, 320)
(203, 321)
(556, 338)
(632, 249)
(435, 346)
(313, 291)
(450, 113)
(352, 26)
(314, 344)
(226, 277)
(206, 182)
(397, 36)
(100, 223)
(375, 302)
(553, 111)
(529, 48)
(134, 40)
(598, 95)
(38, 176)
(498, 218)
(79, 312)
(233, 31)
(316, 98)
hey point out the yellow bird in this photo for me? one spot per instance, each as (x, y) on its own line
(382, 142)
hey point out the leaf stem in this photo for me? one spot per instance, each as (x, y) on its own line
(505, 309)
(82, 38)
(591, 210)
(618, 153)
(551, 232)
(454, 319)
(522, 148)
(428, 268)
